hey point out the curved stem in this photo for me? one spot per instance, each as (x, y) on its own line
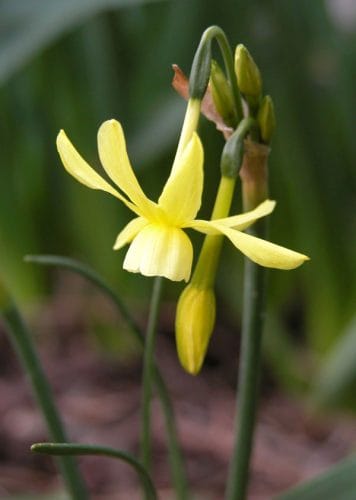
(175, 455)
(218, 33)
(148, 363)
(88, 449)
(21, 339)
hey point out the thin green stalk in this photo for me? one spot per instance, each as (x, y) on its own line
(218, 33)
(179, 477)
(21, 339)
(254, 190)
(250, 354)
(89, 449)
(147, 375)
(176, 460)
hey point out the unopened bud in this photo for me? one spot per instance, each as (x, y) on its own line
(195, 319)
(200, 71)
(222, 95)
(248, 75)
(266, 119)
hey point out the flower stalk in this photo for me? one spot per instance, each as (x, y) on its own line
(254, 189)
(148, 373)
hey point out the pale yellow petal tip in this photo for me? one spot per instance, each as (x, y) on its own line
(296, 260)
(61, 136)
(110, 123)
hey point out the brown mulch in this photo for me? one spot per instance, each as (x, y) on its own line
(99, 399)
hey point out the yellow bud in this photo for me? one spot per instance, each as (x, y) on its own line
(222, 95)
(195, 319)
(248, 75)
(266, 119)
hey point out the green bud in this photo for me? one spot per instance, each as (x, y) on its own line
(200, 72)
(222, 95)
(232, 155)
(248, 75)
(266, 119)
(231, 158)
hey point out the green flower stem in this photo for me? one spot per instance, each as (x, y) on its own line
(148, 364)
(175, 455)
(21, 339)
(210, 252)
(87, 449)
(254, 189)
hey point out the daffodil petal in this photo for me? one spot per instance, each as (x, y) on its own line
(129, 232)
(159, 250)
(203, 226)
(181, 196)
(262, 252)
(242, 221)
(114, 158)
(82, 171)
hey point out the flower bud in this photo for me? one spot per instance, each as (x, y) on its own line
(266, 119)
(200, 71)
(248, 75)
(195, 320)
(222, 95)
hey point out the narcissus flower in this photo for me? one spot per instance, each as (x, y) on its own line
(159, 246)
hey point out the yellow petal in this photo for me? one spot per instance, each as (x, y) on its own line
(114, 158)
(82, 171)
(181, 196)
(129, 232)
(263, 252)
(159, 250)
(203, 226)
(195, 319)
(242, 221)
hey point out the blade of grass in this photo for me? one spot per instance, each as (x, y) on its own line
(22, 342)
(175, 455)
(339, 482)
(64, 449)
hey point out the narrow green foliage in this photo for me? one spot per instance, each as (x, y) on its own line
(64, 449)
(339, 482)
(22, 341)
(175, 455)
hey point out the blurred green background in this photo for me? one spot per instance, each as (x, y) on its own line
(74, 63)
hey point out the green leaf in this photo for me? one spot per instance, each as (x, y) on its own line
(338, 483)
(338, 370)
(68, 449)
(28, 27)
(21, 339)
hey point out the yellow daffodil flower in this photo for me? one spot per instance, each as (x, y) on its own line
(159, 245)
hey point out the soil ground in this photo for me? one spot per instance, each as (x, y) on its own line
(99, 398)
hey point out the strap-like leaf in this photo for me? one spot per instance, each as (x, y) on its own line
(61, 449)
(339, 482)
